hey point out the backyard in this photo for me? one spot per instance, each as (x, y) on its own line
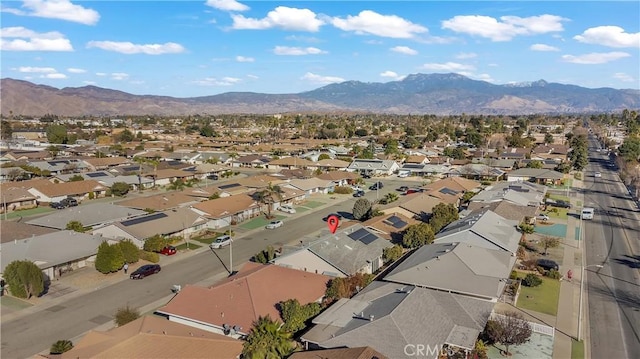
(543, 298)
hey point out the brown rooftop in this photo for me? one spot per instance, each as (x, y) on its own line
(226, 206)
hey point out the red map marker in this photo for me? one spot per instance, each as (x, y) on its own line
(332, 223)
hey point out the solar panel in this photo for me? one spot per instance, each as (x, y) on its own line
(227, 186)
(413, 166)
(448, 191)
(130, 168)
(369, 238)
(144, 219)
(96, 174)
(359, 234)
(396, 222)
(54, 163)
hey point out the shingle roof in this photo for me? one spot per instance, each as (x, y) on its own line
(160, 202)
(89, 215)
(154, 337)
(240, 300)
(225, 206)
(505, 209)
(12, 230)
(292, 161)
(69, 188)
(341, 353)
(163, 223)
(456, 183)
(332, 162)
(539, 173)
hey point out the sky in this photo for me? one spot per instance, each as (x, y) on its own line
(207, 47)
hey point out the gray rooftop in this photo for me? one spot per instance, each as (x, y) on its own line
(483, 228)
(539, 173)
(405, 314)
(522, 193)
(456, 267)
(90, 215)
(51, 249)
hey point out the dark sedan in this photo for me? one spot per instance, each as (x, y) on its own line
(145, 270)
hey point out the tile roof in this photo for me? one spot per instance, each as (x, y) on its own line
(239, 300)
(154, 337)
(225, 206)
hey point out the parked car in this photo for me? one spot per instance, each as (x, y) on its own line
(413, 190)
(366, 176)
(145, 270)
(403, 175)
(287, 209)
(57, 205)
(547, 264)
(542, 217)
(377, 185)
(69, 202)
(358, 194)
(168, 251)
(597, 175)
(403, 188)
(562, 204)
(274, 224)
(221, 241)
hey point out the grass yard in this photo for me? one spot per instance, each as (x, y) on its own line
(312, 204)
(577, 349)
(29, 212)
(543, 298)
(562, 213)
(192, 245)
(559, 197)
(260, 222)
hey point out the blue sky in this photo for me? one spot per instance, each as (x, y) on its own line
(207, 47)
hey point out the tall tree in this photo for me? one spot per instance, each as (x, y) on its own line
(57, 134)
(6, 131)
(417, 235)
(24, 278)
(442, 214)
(549, 242)
(269, 196)
(362, 209)
(75, 226)
(267, 340)
(510, 329)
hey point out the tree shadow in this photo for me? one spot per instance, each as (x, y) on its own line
(632, 261)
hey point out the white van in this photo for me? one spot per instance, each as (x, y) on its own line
(587, 213)
(287, 209)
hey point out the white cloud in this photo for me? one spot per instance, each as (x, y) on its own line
(466, 55)
(119, 76)
(55, 76)
(318, 79)
(282, 17)
(253, 77)
(309, 39)
(448, 66)
(130, 48)
(297, 51)
(57, 9)
(484, 77)
(392, 75)
(212, 81)
(595, 58)
(244, 59)
(22, 39)
(404, 50)
(543, 47)
(227, 5)
(611, 36)
(101, 74)
(91, 83)
(76, 71)
(623, 77)
(39, 70)
(506, 28)
(370, 22)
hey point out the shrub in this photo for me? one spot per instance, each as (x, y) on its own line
(342, 190)
(24, 278)
(532, 280)
(553, 274)
(152, 257)
(92, 195)
(513, 275)
(109, 258)
(129, 250)
(392, 254)
(526, 228)
(61, 346)
(126, 315)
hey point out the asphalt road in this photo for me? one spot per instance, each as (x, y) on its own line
(33, 333)
(612, 239)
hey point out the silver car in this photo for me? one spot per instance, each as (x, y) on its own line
(221, 242)
(274, 224)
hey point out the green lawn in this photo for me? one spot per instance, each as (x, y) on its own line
(28, 212)
(561, 214)
(577, 349)
(260, 222)
(543, 298)
(192, 245)
(312, 204)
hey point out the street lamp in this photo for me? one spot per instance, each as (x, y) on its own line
(581, 290)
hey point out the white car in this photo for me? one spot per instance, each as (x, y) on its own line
(274, 224)
(221, 242)
(542, 217)
(287, 209)
(597, 175)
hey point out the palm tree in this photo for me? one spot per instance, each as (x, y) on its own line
(267, 340)
(268, 197)
(61, 346)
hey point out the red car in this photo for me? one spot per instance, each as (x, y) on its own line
(168, 251)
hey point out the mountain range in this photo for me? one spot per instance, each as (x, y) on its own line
(438, 94)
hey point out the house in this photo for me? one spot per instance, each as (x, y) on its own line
(154, 337)
(253, 161)
(289, 174)
(15, 173)
(14, 197)
(332, 165)
(95, 175)
(417, 159)
(505, 209)
(390, 226)
(163, 177)
(160, 202)
(13, 230)
(515, 153)
(373, 167)
(231, 306)
(55, 192)
(546, 164)
(181, 222)
(456, 267)
(537, 175)
(416, 205)
(453, 185)
(104, 163)
(90, 216)
(340, 353)
(53, 252)
(394, 318)
(260, 181)
(504, 165)
(339, 178)
(311, 185)
(349, 251)
(485, 229)
(290, 163)
(60, 166)
(227, 211)
(521, 193)
(477, 171)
